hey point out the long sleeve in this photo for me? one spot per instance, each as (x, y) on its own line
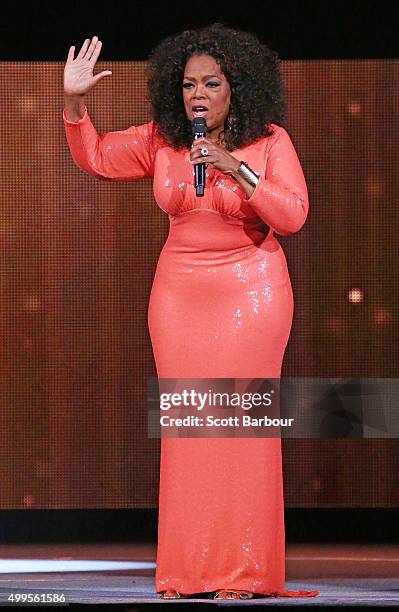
(280, 198)
(122, 155)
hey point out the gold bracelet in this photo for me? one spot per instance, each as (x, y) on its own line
(249, 175)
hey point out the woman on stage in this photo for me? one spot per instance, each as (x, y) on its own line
(221, 304)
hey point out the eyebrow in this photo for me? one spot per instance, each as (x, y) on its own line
(206, 76)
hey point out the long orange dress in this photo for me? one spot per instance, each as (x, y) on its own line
(221, 306)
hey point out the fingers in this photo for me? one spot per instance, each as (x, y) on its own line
(196, 157)
(83, 48)
(101, 75)
(200, 141)
(96, 51)
(208, 161)
(70, 54)
(90, 49)
(195, 152)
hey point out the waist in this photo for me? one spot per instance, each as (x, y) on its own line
(202, 230)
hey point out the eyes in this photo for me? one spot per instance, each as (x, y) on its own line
(211, 83)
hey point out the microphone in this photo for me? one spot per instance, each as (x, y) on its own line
(199, 129)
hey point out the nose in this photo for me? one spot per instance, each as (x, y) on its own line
(198, 92)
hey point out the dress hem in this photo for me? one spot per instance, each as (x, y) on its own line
(268, 593)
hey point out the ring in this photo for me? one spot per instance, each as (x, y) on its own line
(204, 151)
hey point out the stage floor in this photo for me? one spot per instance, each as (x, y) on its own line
(346, 575)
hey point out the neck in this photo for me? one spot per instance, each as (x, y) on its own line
(216, 136)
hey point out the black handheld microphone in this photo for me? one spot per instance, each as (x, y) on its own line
(199, 128)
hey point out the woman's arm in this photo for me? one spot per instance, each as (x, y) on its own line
(126, 154)
(281, 198)
(121, 155)
(74, 106)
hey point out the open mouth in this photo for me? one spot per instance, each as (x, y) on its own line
(199, 111)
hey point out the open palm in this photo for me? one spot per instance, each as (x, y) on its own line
(78, 72)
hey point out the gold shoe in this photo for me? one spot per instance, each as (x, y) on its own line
(230, 594)
(171, 595)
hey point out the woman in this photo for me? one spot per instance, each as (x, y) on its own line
(221, 303)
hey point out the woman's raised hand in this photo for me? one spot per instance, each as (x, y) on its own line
(78, 72)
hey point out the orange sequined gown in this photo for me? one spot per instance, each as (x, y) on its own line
(221, 305)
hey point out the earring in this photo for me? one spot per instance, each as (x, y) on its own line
(231, 120)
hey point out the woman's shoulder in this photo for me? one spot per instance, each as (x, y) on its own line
(277, 134)
(266, 141)
(276, 131)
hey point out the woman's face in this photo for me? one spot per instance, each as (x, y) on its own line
(204, 85)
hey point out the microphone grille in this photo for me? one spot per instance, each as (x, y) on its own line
(199, 125)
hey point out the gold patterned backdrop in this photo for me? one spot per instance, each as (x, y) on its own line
(77, 261)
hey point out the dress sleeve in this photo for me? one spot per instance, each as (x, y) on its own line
(280, 198)
(123, 155)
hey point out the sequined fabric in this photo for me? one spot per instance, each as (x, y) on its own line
(221, 305)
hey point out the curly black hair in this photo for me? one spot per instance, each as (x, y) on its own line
(251, 68)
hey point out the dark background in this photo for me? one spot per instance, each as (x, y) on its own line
(296, 30)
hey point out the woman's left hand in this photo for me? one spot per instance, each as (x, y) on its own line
(218, 157)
